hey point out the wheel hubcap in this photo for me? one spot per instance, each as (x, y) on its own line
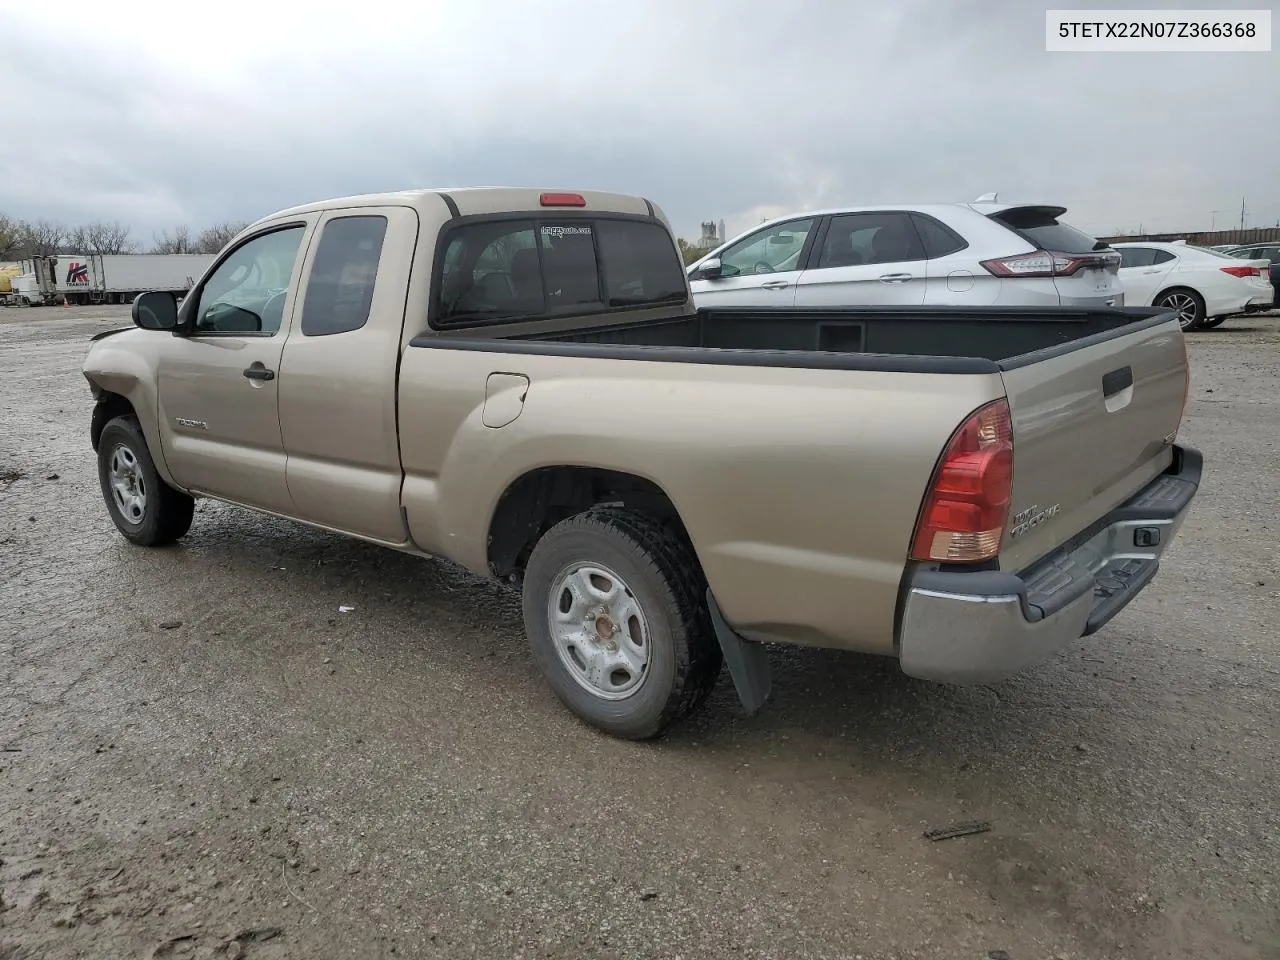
(1183, 305)
(128, 486)
(599, 631)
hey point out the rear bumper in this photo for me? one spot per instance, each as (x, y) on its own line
(984, 626)
(1262, 302)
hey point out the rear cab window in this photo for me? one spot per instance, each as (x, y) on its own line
(515, 268)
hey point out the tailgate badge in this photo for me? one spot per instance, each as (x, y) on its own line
(1033, 516)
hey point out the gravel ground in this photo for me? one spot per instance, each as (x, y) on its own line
(203, 758)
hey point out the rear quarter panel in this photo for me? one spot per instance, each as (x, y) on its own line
(799, 488)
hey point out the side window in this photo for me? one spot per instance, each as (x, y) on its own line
(857, 239)
(1137, 257)
(773, 250)
(1161, 256)
(340, 288)
(939, 240)
(246, 292)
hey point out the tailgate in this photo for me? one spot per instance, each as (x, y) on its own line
(1093, 423)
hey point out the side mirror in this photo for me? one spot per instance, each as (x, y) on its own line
(709, 269)
(155, 310)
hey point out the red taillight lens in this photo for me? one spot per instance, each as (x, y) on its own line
(563, 200)
(1046, 263)
(1186, 383)
(967, 506)
(1242, 272)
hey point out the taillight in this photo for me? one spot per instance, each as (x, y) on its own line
(563, 200)
(967, 505)
(1186, 383)
(1046, 263)
(1242, 272)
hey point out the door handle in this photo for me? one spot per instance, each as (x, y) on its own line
(257, 371)
(775, 285)
(1150, 271)
(894, 277)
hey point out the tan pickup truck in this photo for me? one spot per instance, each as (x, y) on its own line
(518, 381)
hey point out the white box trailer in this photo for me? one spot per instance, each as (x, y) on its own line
(113, 278)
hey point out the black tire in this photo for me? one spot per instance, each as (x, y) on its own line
(165, 513)
(1188, 304)
(1213, 322)
(660, 573)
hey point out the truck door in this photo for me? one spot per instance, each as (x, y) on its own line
(338, 389)
(218, 385)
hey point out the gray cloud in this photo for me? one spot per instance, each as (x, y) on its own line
(713, 110)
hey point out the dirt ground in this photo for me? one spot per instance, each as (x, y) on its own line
(202, 757)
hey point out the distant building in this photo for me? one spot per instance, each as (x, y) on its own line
(712, 234)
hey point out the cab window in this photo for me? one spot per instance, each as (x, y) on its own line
(246, 292)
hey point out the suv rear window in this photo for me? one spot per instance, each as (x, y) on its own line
(518, 269)
(1042, 228)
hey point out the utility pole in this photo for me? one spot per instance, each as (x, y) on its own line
(1242, 213)
(1213, 219)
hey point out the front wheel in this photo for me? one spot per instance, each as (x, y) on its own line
(613, 607)
(143, 507)
(1186, 303)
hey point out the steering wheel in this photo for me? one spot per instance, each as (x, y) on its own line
(762, 267)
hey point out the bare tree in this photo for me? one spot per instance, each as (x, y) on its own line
(214, 238)
(179, 241)
(108, 238)
(10, 238)
(43, 238)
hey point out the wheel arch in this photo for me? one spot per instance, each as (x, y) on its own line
(540, 498)
(109, 406)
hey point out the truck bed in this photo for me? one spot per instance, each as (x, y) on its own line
(1096, 394)
(910, 339)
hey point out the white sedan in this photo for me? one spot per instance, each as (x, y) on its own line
(1203, 286)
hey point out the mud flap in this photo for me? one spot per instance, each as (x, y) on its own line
(748, 661)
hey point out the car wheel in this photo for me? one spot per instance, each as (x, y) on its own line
(1213, 322)
(143, 507)
(614, 612)
(1186, 303)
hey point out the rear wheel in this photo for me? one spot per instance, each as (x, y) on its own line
(1213, 322)
(1186, 303)
(614, 611)
(143, 507)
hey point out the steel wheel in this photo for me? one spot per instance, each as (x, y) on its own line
(600, 633)
(1186, 304)
(128, 484)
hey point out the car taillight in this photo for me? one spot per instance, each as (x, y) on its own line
(967, 505)
(1242, 272)
(1186, 383)
(1047, 263)
(563, 200)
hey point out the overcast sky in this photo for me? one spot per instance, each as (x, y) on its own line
(733, 109)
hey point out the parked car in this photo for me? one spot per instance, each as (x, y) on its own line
(1203, 286)
(517, 381)
(982, 253)
(1262, 251)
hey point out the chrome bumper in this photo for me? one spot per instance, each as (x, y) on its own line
(984, 626)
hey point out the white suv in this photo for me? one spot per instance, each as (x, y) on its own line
(981, 254)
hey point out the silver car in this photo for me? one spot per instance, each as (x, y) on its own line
(981, 253)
